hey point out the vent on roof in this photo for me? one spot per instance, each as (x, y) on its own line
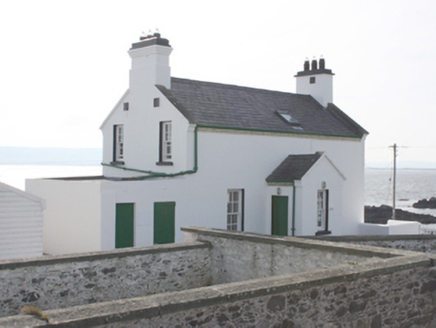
(288, 118)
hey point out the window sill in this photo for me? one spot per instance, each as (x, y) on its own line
(164, 163)
(117, 163)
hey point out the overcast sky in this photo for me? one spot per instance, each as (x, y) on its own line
(64, 64)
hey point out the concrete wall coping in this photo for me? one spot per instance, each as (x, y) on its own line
(100, 255)
(166, 303)
(374, 238)
(316, 243)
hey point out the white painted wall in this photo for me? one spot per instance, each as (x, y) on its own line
(21, 221)
(72, 221)
(322, 171)
(391, 228)
(226, 161)
(321, 90)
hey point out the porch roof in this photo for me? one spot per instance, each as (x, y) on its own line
(294, 167)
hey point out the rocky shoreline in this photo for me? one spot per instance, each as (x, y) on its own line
(381, 215)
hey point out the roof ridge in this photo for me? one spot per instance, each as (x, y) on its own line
(232, 86)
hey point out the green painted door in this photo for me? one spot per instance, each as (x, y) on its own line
(164, 222)
(279, 215)
(124, 218)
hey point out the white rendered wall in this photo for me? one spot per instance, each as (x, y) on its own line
(72, 220)
(141, 136)
(321, 90)
(322, 171)
(21, 220)
(243, 161)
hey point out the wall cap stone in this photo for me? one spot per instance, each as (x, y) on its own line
(312, 243)
(93, 256)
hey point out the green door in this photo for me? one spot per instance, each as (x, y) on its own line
(164, 214)
(124, 225)
(279, 215)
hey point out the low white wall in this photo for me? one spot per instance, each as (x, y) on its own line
(391, 228)
(72, 219)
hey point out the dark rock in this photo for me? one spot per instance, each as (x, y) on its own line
(424, 203)
(110, 270)
(285, 324)
(341, 312)
(369, 294)
(234, 308)
(376, 321)
(276, 303)
(383, 213)
(222, 318)
(356, 307)
(428, 287)
(64, 293)
(340, 290)
(314, 294)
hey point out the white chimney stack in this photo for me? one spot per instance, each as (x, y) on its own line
(316, 81)
(150, 62)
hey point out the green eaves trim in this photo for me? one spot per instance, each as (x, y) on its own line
(278, 131)
(280, 181)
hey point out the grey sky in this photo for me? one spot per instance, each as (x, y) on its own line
(64, 64)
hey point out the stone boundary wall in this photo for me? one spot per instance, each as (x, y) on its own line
(243, 256)
(416, 243)
(397, 290)
(54, 282)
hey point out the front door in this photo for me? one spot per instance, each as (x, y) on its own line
(124, 219)
(164, 222)
(279, 215)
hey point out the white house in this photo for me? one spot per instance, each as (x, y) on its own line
(21, 221)
(179, 152)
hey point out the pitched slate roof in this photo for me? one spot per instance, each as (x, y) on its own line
(294, 167)
(229, 106)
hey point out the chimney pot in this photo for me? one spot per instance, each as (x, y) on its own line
(306, 65)
(314, 65)
(321, 63)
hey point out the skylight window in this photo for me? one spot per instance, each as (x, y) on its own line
(288, 118)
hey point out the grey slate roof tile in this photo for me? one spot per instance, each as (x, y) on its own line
(294, 167)
(230, 106)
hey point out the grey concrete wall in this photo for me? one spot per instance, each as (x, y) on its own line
(54, 282)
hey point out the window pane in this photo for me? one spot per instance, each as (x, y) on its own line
(235, 207)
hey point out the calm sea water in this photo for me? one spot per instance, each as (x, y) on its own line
(412, 184)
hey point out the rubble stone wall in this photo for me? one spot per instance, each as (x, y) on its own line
(55, 282)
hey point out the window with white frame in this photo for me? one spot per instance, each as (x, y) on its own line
(118, 142)
(165, 147)
(235, 210)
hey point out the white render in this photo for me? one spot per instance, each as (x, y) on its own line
(72, 219)
(206, 163)
(21, 220)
